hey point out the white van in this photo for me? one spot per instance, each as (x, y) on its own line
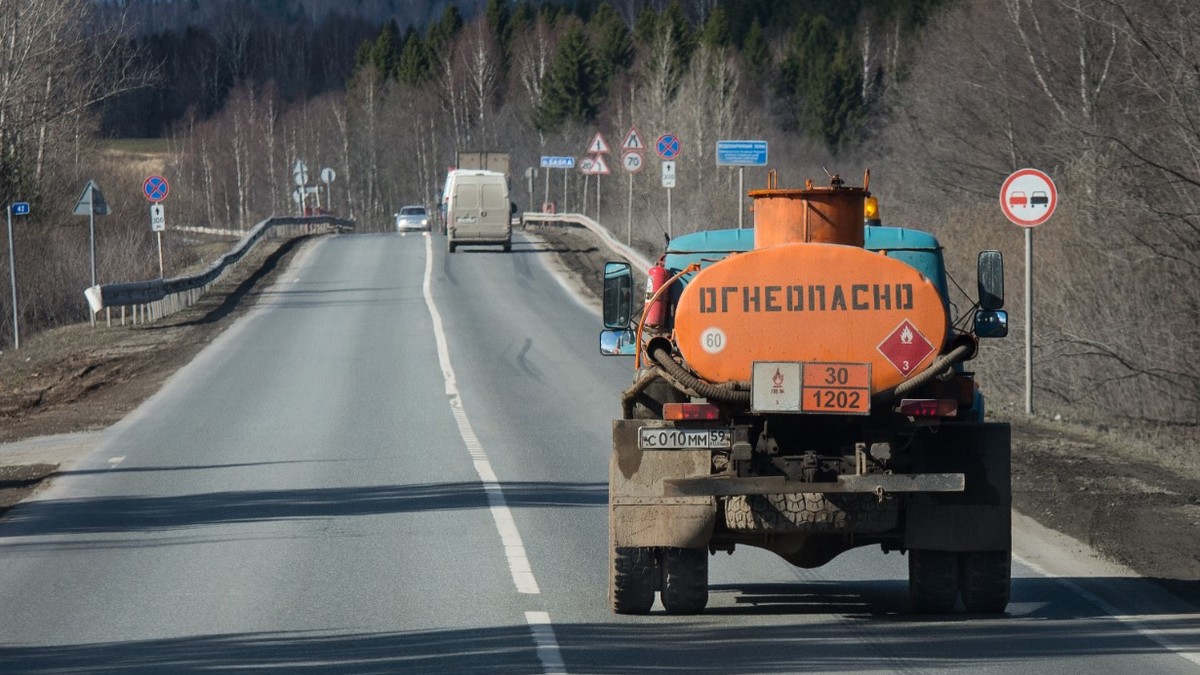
(477, 209)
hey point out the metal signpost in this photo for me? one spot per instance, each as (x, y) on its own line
(328, 175)
(91, 204)
(667, 147)
(598, 148)
(741, 154)
(156, 189)
(14, 209)
(556, 162)
(300, 177)
(631, 161)
(1028, 198)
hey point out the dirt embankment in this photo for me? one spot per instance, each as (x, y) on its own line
(1111, 490)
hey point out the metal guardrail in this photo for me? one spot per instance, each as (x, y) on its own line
(156, 298)
(635, 258)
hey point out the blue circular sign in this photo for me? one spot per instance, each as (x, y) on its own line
(156, 188)
(667, 146)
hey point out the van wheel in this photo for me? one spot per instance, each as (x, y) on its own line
(450, 246)
(508, 247)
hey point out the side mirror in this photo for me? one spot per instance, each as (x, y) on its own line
(618, 342)
(991, 323)
(991, 280)
(618, 294)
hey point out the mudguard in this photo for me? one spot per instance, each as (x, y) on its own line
(638, 513)
(980, 517)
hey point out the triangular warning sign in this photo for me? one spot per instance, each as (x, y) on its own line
(600, 167)
(598, 146)
(91, 202)
(633, 140)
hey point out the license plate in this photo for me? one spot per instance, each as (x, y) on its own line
(658, 438)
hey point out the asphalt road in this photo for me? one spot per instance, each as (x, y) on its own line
(397, 463)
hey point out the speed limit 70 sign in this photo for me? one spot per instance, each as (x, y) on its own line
(632, 161)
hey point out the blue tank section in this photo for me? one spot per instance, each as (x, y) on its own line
(920, 250)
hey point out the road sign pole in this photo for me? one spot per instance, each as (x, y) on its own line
(12, 276)
(563, 208)
(741, 182)
(161, 275)
(597, 198)
(546, 197)
(92, 243)
(1029, 321)
(670, 232)
(629, 215)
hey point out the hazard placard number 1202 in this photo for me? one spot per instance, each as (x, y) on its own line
(843, 388)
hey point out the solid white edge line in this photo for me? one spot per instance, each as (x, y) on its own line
(1115, 613)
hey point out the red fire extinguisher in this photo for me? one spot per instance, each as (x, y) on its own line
(656, 314)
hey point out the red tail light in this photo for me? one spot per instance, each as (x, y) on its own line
(690, 411)
(929, 407)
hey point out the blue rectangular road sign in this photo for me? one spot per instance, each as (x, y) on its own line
(20, 208)
(558, 162)
(741, 153)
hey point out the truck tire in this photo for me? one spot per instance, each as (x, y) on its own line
(450, 246)
(633, 579)
(648, 405)
(932, 581)
(811, 512)
(685, 580)
(508, 247)
(986, 580)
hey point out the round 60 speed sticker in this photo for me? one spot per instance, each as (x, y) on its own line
(713, 340)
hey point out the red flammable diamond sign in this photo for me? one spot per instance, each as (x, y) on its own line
(905, 348)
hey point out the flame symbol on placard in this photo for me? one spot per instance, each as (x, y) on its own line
(906, 336)
(778, 378)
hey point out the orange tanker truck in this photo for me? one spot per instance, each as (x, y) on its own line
(802, 387)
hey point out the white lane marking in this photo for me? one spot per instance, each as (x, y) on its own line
(114, 461)
(1134, 623)
(514, 549)
(547, 646)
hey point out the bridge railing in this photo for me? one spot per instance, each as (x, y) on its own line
(634, 257)
(154, 299)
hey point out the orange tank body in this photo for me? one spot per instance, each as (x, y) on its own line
(810, 302)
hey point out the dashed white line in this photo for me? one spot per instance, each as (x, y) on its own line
(113, 462)
(547, 646)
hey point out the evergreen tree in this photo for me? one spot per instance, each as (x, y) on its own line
(682, 34)
(645, 29)
(820, 83)
(385, 53)
(442, 33)
(614, 47)
(416, 61)
(716, 29)
(574, 90)
(754, 50)
(500, 21)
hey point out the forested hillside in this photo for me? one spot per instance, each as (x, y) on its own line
(940, 99)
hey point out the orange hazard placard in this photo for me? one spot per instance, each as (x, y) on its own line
(836, 388)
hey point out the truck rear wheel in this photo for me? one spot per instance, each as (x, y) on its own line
(932, 581)
(986, 580)
(685, 580)
(633, 579)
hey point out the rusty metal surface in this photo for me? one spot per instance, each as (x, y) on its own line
(720, 486)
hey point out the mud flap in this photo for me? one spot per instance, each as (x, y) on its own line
(638, 513)
(980, 517)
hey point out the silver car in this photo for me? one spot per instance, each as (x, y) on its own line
(412, 218)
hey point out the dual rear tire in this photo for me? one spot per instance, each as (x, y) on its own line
(936, 580)
(679, 575)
